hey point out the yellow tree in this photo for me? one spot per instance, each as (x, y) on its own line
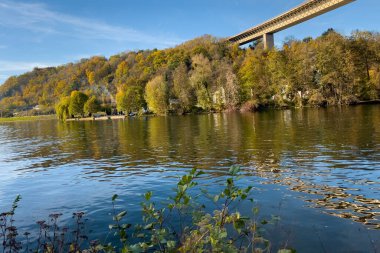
(156, 95)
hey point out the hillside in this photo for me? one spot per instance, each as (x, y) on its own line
(208, 74)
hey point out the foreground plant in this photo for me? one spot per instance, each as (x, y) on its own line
(182, 224)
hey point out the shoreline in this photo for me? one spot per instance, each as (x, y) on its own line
(28, 118)
(117, 117)
(103, 118)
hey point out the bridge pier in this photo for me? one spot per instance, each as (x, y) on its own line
(268, 40)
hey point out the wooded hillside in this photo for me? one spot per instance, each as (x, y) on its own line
(208, 74)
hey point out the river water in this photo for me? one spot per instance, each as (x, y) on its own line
(317, 169)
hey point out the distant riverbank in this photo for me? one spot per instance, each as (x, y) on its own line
(99, 118)
(27, 118)
(116, 117)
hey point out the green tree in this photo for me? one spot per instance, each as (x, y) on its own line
(62, 108)
(91, 106)
(77, 101)
(130, 100)
(156, 95)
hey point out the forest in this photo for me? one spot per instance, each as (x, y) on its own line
(203, 75)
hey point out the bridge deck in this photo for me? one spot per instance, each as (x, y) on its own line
(299, 14)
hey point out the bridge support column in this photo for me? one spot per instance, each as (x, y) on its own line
(268, 41)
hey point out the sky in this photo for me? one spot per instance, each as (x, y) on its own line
(41, 33)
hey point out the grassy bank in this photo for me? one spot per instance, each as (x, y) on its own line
(27, 118)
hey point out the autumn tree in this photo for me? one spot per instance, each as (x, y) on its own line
(334, 66)
(130, 100)
(182, 88)
(121, 72)
(156, 95)
(255, 77)
(200, 79)
(91, 106)
(77, 101)
(227, 93)
(62, 108)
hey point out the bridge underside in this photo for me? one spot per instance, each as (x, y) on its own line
(305, 11)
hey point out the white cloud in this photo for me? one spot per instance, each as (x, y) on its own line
(14, 66)
(38, 18)
(9, 68)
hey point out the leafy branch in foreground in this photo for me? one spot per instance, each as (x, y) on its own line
(182, 224)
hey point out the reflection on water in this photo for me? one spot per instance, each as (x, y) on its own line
(327, 158)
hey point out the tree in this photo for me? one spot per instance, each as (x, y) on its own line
(62, 108)
(91, 106)
(200, 79)
(130, 100)
(335, 69)
(156, 95)
(182, 88)
(121, 72)
(228, 89)
(255, 77)
(77, 101)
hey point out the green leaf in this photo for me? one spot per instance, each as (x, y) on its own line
(200, 173)
(112, 227)
(148, 196)
(121, 214)
(234, 170)
(149, 226)
(171, 244)
(126, 226)
(223, 235)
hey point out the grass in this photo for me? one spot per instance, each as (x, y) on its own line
(27, 118)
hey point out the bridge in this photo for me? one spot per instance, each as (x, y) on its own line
(299, 14)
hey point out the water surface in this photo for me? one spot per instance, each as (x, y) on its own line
(318, 169)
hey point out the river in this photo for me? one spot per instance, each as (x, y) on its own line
(316, 169)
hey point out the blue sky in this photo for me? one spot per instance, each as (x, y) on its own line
(52, 32)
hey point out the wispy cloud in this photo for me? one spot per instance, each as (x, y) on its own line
(37, 17)
(12, 66)
(9, 68)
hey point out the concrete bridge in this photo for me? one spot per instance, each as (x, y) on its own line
(299, 14)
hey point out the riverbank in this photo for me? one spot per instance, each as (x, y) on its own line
(117, 117)
(28, 118)
(99, 118)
